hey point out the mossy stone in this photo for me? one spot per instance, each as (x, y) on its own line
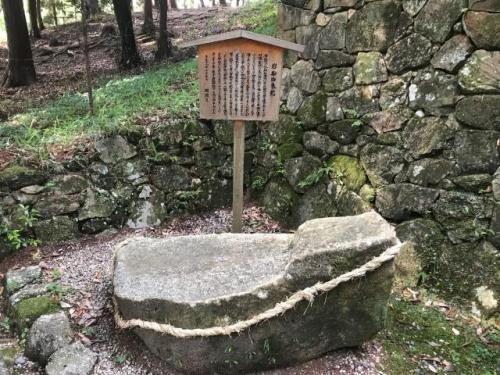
(349, 171)
(28, 310)
(290, 150)
(313, 111)
(17, 176)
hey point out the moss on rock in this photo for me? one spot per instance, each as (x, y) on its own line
(290, 150)
(348, 170)
(28, 310)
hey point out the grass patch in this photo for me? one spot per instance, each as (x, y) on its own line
(424, 340)
(173, 89)
(259, 16)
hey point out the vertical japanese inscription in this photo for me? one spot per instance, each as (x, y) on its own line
(240, 81)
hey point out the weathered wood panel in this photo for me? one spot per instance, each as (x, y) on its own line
(240, 79)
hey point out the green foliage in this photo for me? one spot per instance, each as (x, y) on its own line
(5, 325)
(172, 88)
(316, 176)
(120, 359)
(258, 183)
(19, 235)
(260, 16)
(417, 334)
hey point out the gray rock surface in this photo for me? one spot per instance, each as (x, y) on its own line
(481, 73)
(112, 150)
(16, 279)
(74, 359)
(452, 53)
(437, 17)
(48, 334)
(201, 281)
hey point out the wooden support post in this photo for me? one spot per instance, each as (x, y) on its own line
(238, 166)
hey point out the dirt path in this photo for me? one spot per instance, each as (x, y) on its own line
(60, 67)
(86, 269)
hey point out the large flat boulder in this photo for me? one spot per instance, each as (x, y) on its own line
(217, 280)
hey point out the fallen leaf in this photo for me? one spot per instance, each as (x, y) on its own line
(455, 331)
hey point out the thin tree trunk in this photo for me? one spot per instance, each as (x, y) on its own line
(164, 46)
(129, 55)
(54, 13)
(39, 14)
(85, 11)
(173, 5)
(223, 3)
(202, 3)
(20, 69)
(35, 31)
(148, 27)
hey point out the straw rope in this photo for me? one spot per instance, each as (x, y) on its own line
(307, 294)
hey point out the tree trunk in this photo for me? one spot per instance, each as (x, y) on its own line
(54, 13)
(148, 27)
(20, 69)
(164, 46)
(173, 5)
(85, 12)
(35, 31)
(39, 14)
(129, 55)
(223, 3)
(202, 3)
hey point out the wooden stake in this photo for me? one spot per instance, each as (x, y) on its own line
(238, 166)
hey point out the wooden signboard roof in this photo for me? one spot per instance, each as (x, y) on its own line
(245, 35)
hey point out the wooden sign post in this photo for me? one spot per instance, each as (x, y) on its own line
(240, 79)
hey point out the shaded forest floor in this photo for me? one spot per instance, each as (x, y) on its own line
(59, 58)
(50, 118)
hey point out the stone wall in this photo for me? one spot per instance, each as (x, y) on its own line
(394, 105)
(134, 179)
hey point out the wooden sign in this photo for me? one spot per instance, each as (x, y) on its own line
(240, 79)
(240, 75)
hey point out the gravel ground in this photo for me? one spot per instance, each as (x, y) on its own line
(85, 268)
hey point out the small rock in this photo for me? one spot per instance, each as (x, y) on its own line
(481, 111)
(373, 27)
(412, 7)
(381, 163)
(319, 144)
(294, 100)
(333, 58)
(427, 172)
(434, 92)
(401, 201)
(452, 53)
(481, 73)
(57, 229)
(334, 34)
(322, 19)
(21, 360)
(483, 28)
(98, 204)
(485, 5)
(297, 169)
(487, 299)
(48, 334)
(333, 109)
(425, 136)
(18, 279)
(496, 184)
(338, 79)
(112, 150)
(436, 19)
(312, 112)
(305, 77)
(33, 189)
(75, 359)
(370, 68)
(408, 53)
